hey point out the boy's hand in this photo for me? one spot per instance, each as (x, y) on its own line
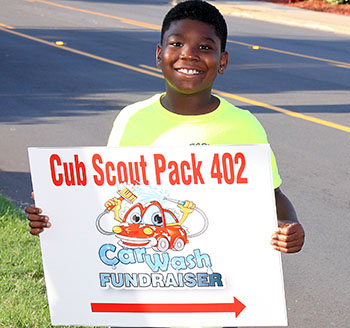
(37, 222)
(288, 238)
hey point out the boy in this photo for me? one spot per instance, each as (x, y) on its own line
(191, 53)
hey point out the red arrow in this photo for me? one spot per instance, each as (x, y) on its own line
(236, 307)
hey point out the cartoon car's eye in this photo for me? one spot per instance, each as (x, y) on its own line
(135, 218)
(153, 215)
(157, 219)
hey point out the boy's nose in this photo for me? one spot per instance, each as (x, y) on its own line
(189, 53)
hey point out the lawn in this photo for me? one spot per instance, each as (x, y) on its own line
(23, 301)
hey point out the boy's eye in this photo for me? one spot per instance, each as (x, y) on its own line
(176, 44)
(204, 47)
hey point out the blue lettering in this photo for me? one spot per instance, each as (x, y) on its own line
(145, 280)
(158, 263)
(130, 279)
(120, 281)
(140, 252)
(215, 278)
(178, 263)
(170, 280)
(104, 249)
(126, 256)
(180, 278)
(104, 279)
(202, 257)
(157, 280)
(202, 279)
(190, 280)
(190, 261)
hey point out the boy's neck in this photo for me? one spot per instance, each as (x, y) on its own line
(195, 104)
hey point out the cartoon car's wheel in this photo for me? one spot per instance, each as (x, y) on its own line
(163, 244)
(179, 244)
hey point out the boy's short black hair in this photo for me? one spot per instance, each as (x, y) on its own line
(197, 10)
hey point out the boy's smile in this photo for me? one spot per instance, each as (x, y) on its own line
(190, 57)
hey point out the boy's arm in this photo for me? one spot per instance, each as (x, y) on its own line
(289, 237)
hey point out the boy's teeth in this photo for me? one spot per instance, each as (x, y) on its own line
(188, 71)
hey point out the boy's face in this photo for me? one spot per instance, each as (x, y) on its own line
(190, 56)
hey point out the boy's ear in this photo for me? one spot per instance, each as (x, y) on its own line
(223, 62)
(159, 55)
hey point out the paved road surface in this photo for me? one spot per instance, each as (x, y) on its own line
(52, 96)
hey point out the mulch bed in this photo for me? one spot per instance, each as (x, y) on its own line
(317, 5)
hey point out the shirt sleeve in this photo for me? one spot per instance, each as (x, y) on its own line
(277, 181)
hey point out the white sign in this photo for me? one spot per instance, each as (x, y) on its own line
(159, 237)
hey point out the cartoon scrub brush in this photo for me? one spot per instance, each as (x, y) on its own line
(125, 194)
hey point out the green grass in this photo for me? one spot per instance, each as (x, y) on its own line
(22, 285)
(23, 301)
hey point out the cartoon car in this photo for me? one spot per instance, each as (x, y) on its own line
(151, 226)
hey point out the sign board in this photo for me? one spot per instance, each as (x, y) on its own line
(159, 237)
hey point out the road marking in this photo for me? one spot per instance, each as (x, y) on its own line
(158, 28)
(342, 66)
(83, 53)
(271, 107)
(329, 61)
(7, 26)
(284, 111)
(150, 71)
(91, 12)
(151, 68)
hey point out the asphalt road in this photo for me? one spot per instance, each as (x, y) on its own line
(69, 96)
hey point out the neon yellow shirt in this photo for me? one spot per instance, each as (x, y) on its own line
(148, 123)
